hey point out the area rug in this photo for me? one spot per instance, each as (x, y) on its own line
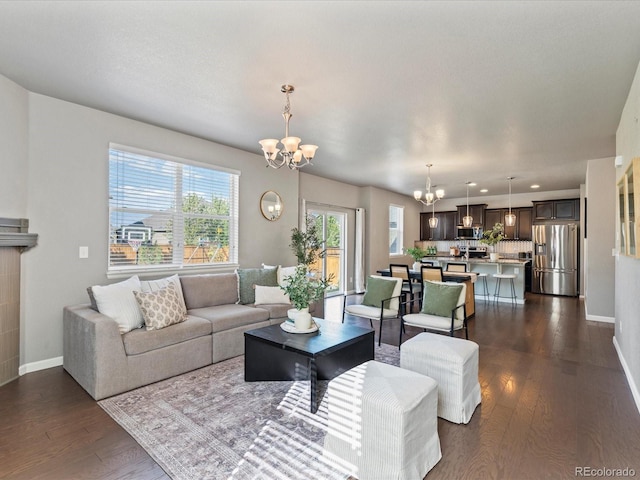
(211, 424)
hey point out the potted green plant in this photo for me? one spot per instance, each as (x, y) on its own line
(492, 237)
(417, 254)
(304, 286)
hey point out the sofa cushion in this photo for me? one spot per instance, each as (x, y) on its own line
(161, 308)
(117, 302)
(141, 341)
(227, 317)
(277, 310)
(209, 290)
(248, 278)
(270, 295)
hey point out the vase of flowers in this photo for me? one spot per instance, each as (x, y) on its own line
(492, 237)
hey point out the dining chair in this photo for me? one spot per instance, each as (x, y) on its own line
(410, 290)
(431, 273)
(456, 267)
(429, 263)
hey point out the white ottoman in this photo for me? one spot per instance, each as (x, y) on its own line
(383, 422)
(453, 363)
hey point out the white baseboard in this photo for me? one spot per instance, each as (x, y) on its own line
(627, 372)
(41, 365)
(599, 318)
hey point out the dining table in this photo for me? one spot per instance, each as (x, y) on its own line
(468, 278)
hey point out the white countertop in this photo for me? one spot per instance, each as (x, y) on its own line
(500, 261)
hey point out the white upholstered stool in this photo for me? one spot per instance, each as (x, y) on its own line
(504, 276)
(383, 422)
(453, 363)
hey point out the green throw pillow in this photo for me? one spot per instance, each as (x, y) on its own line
(439, 298)
(248, 278)
(378, 289)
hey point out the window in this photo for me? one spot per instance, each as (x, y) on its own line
(167, 212)
(396, 220)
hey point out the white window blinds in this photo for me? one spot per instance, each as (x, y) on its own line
(169, 212)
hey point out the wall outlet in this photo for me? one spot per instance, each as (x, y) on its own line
(516, 271)
(83, 252)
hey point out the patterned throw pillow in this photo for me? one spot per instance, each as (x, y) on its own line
(161, 308)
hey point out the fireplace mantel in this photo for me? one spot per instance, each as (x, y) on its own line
(25, 240)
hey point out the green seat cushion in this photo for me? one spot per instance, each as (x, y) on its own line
(378, 289)
(439, 298)
(248, 278)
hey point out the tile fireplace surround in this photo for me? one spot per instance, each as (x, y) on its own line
(14, 239)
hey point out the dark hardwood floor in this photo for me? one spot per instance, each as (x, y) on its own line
(554, 398)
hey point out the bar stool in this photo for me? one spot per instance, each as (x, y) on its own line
(485, 287)
(506, 276)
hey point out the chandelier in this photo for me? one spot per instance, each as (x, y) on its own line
(289, 154)
(429, 197)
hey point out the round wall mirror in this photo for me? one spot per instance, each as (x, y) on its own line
(271, 205)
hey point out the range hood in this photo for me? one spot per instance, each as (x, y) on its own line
(14, 232)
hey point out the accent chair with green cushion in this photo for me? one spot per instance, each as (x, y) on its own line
(381, 301)
(443, 309)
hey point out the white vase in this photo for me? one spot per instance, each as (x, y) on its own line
(493, 256)
(417, 266)
(302, 319)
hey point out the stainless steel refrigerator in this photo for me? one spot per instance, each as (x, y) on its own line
(555, 259)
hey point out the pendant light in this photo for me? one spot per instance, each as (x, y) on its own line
(510, 218)
(433, 221)
(467, 221)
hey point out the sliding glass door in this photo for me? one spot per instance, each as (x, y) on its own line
(332, 226)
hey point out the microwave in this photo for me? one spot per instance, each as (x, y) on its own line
(469, 233)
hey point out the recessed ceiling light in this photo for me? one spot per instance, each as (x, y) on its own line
(535, 186)
(472, 184)
(484, 190)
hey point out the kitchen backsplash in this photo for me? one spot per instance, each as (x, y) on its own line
(506, 248)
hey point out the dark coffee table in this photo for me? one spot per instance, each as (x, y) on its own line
(271, 354)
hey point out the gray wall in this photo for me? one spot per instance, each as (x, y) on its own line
(66, 200)
(627, 279)
(13, 149)
(601, 226)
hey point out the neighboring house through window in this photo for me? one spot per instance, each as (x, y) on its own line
(168, 212)
(396, 225)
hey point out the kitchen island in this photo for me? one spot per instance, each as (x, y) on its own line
(513, 266)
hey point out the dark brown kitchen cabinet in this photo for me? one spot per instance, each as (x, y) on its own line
(446, 229)
(493, 216)
(520, 231)
(524, 223)
(557, 209)
(476, 211)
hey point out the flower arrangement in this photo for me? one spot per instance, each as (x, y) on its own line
(416, 253)
(494, 235)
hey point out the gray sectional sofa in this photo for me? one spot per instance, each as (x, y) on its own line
(105, 362)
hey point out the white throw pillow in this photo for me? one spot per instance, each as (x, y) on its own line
(270, 295)
(148, 286)
(284, 273)
(118, 302)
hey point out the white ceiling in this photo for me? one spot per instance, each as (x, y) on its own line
(483, 90)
